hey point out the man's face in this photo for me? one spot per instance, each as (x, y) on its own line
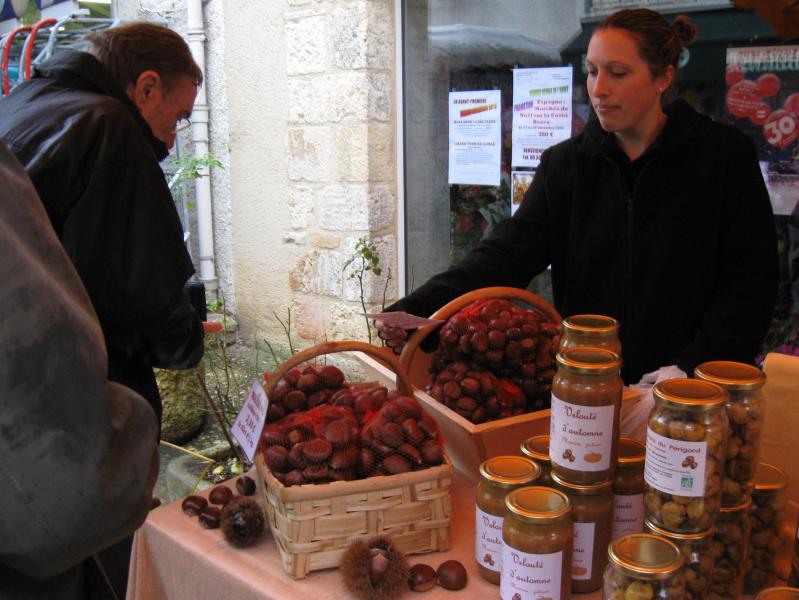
(162, 106)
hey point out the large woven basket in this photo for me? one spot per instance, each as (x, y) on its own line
(313, 524)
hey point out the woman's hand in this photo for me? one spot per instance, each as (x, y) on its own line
(394, 337)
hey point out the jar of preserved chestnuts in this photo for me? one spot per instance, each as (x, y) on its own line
(537, 549)
(779, 593)
(628, 488)
(730, 550)
(592, 513)
(498, 476)
(642, 566)
(536, 448)
(584, 421)
(597, 331)
(685, 455)
(697, 550)
(765, 516)
(745, 410)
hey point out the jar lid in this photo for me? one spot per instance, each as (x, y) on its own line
(731, 375)
(679, 537)
(769, 477)
(593, 489)
(631, 453)
(645, 556)
(597, 326)
(536, 447)
(778, 593)
(738, 507)
(586, 360)
(690, 394)
(538, 504)
(509, 471)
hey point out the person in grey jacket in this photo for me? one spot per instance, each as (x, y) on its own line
(78, 454)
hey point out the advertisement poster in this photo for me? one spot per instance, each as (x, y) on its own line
(542, 112)
(475, 137)
(520, 181)
(762, 100)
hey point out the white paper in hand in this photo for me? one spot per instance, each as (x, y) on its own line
(248, 424)
(402, 320)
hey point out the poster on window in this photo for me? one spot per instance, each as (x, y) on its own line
(542, 112)
(520, 181)
(762, 100)
(475, 137)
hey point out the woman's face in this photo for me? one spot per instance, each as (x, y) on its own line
(623, 92)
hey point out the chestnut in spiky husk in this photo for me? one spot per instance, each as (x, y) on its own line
(374, 569)
(242, 521)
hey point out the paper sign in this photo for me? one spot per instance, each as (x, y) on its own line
(475, 137)
(402, 320)
(250, 421)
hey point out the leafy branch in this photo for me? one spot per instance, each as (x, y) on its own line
(366, 258)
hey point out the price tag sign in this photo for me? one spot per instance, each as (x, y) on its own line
(248, 424)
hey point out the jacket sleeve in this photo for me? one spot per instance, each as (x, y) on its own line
(740, 311)
(515, 252)
(78, 455)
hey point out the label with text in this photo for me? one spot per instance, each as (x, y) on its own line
(628, 514)
(583, 554)
(581, 437)
(488, 540)
(530, 575)
(250, 420)
(674, 466)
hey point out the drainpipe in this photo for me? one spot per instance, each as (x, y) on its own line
(199, 134)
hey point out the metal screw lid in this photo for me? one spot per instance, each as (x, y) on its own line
(645, 556)
(509, 471)
(731, 375)
(539, 504)
(689, 394)
(586, 360)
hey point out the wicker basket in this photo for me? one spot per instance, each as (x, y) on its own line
(313, 524)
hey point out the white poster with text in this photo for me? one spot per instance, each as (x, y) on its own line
(475, 137)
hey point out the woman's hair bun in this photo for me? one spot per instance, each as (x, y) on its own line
(685, 30)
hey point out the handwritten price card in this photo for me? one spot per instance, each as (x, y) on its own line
(247, 426)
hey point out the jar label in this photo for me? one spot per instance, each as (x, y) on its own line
(628, 514)
(581, 437)
(488, 540)
(675, 466)
(530, 575)
(583, 555)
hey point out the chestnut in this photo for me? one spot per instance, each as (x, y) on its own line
(245, 485)
(452, 575)
(378, 566)
(209, 517)
(220, 495)
(194, 505)
(421, 578)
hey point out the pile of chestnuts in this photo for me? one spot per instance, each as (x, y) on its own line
(302, 388)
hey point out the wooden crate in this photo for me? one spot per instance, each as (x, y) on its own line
(314, 524)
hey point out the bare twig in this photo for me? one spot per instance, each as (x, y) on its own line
(221, 420)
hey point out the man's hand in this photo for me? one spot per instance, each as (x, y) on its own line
(394, 337)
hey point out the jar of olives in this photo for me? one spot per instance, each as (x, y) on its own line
(592, 511)
(536, 448)
(768, 501)
(642, 566)
(730, 549)
(537, 539)
(745, 410)
(597, 331)
(779, 593)
(584, 420)
(697, 550)
(498, 476)
(628, 488)
(685, 455)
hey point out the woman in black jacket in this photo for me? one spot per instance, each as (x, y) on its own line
(656, 216)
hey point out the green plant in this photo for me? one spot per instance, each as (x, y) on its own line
(366, 258)
(188, 168)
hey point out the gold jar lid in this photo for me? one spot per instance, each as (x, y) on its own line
(595, 326)
(587, 360)
(744, 506)
(690, 394)
(778, 593)
(679, 537)
(645, 556)
(731, 375)
(539, 504)
(630, 453)
(509, 471)
(577, 489)
(769, 477)
(536, 447)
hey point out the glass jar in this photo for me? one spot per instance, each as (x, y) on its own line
(768, 501)
(642, 566)
(779, 593)
(584, 420)
(592, 512)
(597, 331)
(685, 455)
(537, 545)
(536, 448)
(730, 549)
(697, 550)
(628, 488)
(498, 476)
(745, 411)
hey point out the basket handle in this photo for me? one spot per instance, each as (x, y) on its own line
(389, 360)
(449, 309)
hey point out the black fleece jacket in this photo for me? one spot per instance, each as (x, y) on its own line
(679, 245)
